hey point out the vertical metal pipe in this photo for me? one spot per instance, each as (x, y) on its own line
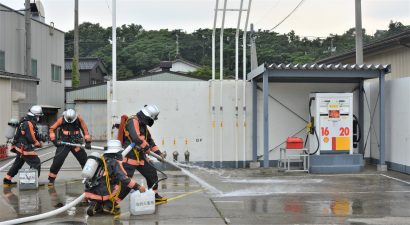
(213, 123)
(254, 122)
(265, 120)
(114, 63)
(359, 32)
(221, 77)
(213, 39)
(236, 83)
(361, 117)
(381, 119)
(245, 30)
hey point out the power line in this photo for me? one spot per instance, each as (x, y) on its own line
(267, 12)
(300, 3)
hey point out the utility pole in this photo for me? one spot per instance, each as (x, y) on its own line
(76, 47)
(359, 32)
(27, 17)
(254, 55)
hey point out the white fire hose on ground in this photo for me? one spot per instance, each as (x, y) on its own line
(69, 205)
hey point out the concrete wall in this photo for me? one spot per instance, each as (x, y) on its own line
(397, 123)
(5, 109)
(47, 48)
(186, 114)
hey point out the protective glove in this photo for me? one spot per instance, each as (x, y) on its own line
(56, 143)
(140, 188)
(88, 145)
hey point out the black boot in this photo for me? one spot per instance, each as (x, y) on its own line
(160, 199)
(7, 182)
(94, 208)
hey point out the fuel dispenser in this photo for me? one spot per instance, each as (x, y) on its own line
(331, 123)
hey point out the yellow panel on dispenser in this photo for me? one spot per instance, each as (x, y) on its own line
(342, 143)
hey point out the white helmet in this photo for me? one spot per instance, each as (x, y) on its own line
(70, 115)
(113, 146)
(151, 111)
(35, 110)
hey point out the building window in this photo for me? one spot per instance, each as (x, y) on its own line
(34, 67)
(55, 73)
(93, 81)
(2, 61)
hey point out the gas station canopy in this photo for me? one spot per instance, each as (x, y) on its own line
(314, 73)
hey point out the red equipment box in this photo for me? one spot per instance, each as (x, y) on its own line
(294, 143)
(3, 151)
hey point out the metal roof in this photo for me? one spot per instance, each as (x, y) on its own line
(339, 66)
(402, 38)
(17, 76)
(334, 73)
(84, 63)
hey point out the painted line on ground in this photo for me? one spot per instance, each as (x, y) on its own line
(396, 179)
(184, 195)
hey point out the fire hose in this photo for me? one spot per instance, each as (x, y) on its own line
(69, 205)
(80, 198)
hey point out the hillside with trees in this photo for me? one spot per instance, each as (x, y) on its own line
(139, 50)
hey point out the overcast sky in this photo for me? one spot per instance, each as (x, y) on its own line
(312, 18)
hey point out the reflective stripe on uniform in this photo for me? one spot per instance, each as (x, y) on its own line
(8, 177)
(133, 161)
(131, 184)
(33, 135)
(93, 196)
(53, 175)
(53, 127)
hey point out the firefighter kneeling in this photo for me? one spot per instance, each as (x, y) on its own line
(104, 177)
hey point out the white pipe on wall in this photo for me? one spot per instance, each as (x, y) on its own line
(244, 83)
(236, 84)
(213, 124)
(221, 77)
(114, 65)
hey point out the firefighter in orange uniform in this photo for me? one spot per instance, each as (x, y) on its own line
(135, 130)
(73, 130)
(27, 138)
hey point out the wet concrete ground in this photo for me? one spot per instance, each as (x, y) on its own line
(262, 196)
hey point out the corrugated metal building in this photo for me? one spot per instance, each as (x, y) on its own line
(17, 93)
(47, 52)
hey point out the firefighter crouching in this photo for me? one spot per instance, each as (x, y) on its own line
(26, 139)
(72, 129)
(103, 188)
(135, 130)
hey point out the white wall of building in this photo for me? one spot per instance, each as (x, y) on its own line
(397, 120)
(5, 109)
(47, 47)
(182, 67)
(186, 114)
